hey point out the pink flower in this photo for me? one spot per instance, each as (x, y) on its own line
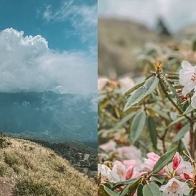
(120, 169)
(180, 166)
(128, 152)
(108, 146)
(102, 83)
(134, 165)
(150, 162)
(129, 173)
(176, 161)
(175, 188)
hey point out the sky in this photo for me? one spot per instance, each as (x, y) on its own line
(48, 45)
(176, 13)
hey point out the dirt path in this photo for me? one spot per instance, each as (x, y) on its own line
(6, 187)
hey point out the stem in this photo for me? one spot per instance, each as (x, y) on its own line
(171, 100)
(192, 143)
(192, 138)
(191, 121)
(162, 138)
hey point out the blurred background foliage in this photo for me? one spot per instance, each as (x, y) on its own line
(128, 52)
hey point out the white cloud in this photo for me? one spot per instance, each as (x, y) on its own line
(27, 64)
(177, 13)
(83, 17)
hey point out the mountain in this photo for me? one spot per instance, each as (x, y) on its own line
(120, 42)
(49, 116)
(28, 169)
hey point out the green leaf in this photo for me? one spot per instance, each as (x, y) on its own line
(158, 179)
(110, 192)
(151, 84)
(151, 189)
(188, 110)
(134, 88)
(131, 188)
(164, 160)
(139, 190)
(124, 120)
(174, 93)
(182, 132)
(101, 190)
(161, 113)
(137, 126)
(142, 92)
(152, 131)
(126, 182)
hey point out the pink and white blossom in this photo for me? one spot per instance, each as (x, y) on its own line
(128, 152)
(175, 188)
(120, 170)
(150, 162)
(110, 145)
(134, 165)
(179, 166)
(107, 175)
(187, 77)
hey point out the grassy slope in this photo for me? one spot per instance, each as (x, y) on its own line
(38, 171)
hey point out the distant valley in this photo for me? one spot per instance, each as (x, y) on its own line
(49, 116)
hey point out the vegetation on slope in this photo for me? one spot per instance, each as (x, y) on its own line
(81, 157)
(38, 171)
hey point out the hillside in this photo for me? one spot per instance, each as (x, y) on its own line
(28, 169)
(120, 43)
(81, 156)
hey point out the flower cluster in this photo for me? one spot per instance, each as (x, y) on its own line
(178, 175)
(150, 115)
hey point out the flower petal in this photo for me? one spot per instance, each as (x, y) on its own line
(186, 64)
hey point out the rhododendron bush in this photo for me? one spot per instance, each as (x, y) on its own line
(147, 126)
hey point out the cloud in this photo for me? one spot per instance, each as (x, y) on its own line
(82, 17)
(27, 64)
(177, 13)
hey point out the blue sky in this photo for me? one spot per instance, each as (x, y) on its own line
(59, 30)
(48, 44)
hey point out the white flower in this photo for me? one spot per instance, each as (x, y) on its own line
(107, 174)
(187, 77)
(175, 188)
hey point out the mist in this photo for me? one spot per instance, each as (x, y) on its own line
(176, 13)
